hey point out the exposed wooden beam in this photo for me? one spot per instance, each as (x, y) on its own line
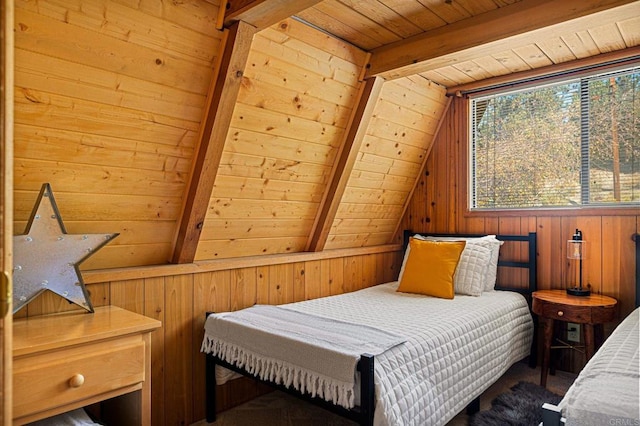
(213, 132)
(354, 135)
(603, 61)
(492, 32)
(261, 13)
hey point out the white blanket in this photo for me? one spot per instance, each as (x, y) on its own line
(310, 353)
(454, 349)
(606, 391)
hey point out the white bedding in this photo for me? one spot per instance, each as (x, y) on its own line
(606, 391)
(454, 349)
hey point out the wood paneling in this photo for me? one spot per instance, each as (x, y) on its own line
(389, 160)
(283, 140)
(180, 300)
(109, 97)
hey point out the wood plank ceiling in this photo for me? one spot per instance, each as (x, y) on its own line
(410, 45)
(295, 125)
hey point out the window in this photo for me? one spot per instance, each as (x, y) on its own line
(566, 144)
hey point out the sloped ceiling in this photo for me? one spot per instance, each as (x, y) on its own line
(274, 126)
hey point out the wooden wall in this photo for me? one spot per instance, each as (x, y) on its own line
(180, 295)
(394, 149)
(439, 204)
(108, 102)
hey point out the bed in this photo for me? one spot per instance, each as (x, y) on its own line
(607, 390)
(410, 358)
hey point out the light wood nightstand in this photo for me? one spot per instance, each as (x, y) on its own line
(69, 360)
(591, 311)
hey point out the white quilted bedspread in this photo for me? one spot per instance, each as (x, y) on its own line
(455, 349)
(607, 390)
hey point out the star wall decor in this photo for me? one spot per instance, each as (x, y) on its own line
(47, 258)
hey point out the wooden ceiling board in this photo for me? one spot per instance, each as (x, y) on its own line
(630, 30)
(491, 65)
(387, 16)
(198, 16)
(395, 150)
(51, 37)
(399, 152)
(292, 31)
(440, 76)
(449, 11)
(523, 23)
(328, 23)
(358, 240)
(364, 179)
(532, 55)
(230, 248)
(233, 164)
(556, 49)
(240, 208)
(254, 228)
(32, 141)
(608, 38)
(262, 13)
(288, 101)
(277, 72)
(242, 141)
(267, 189)
(415, 12)
(471, 70)
(274, 123)
(98, 119)
(352, 18)
(123, 86)
(46, 74)
(310, 57)
(123, 23)
(360, 226)
(581, 44)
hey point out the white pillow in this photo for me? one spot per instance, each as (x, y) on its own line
(492, 269)
(472, 271)
(489, 274)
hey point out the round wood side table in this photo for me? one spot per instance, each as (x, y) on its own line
(591, 311)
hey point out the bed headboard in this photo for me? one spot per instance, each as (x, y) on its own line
(530, 265)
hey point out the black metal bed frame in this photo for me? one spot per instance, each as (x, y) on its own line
(363, 414)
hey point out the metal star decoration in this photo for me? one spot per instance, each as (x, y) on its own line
(47, 258)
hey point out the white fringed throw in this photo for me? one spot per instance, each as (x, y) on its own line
(310, 353)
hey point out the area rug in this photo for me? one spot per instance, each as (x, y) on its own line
(520, 407)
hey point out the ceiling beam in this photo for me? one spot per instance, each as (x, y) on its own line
(223, 94)
(261, 13)
(346, 158)
(583, 66)
(495, 31)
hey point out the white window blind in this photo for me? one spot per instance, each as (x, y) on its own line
(570, 143)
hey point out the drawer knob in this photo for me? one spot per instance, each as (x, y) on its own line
(560, 313)
(76, 381)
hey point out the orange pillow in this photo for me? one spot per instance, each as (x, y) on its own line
(430, 268)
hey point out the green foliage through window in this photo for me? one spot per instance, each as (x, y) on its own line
(574, 143)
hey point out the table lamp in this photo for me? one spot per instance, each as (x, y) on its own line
(576, 250)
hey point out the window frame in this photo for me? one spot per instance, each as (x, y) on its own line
(466, 127)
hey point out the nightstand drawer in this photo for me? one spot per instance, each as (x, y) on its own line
(567, 313)
(72, 375)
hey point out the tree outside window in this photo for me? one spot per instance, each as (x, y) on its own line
(567, 144)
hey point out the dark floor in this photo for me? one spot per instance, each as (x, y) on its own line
(279, 409)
